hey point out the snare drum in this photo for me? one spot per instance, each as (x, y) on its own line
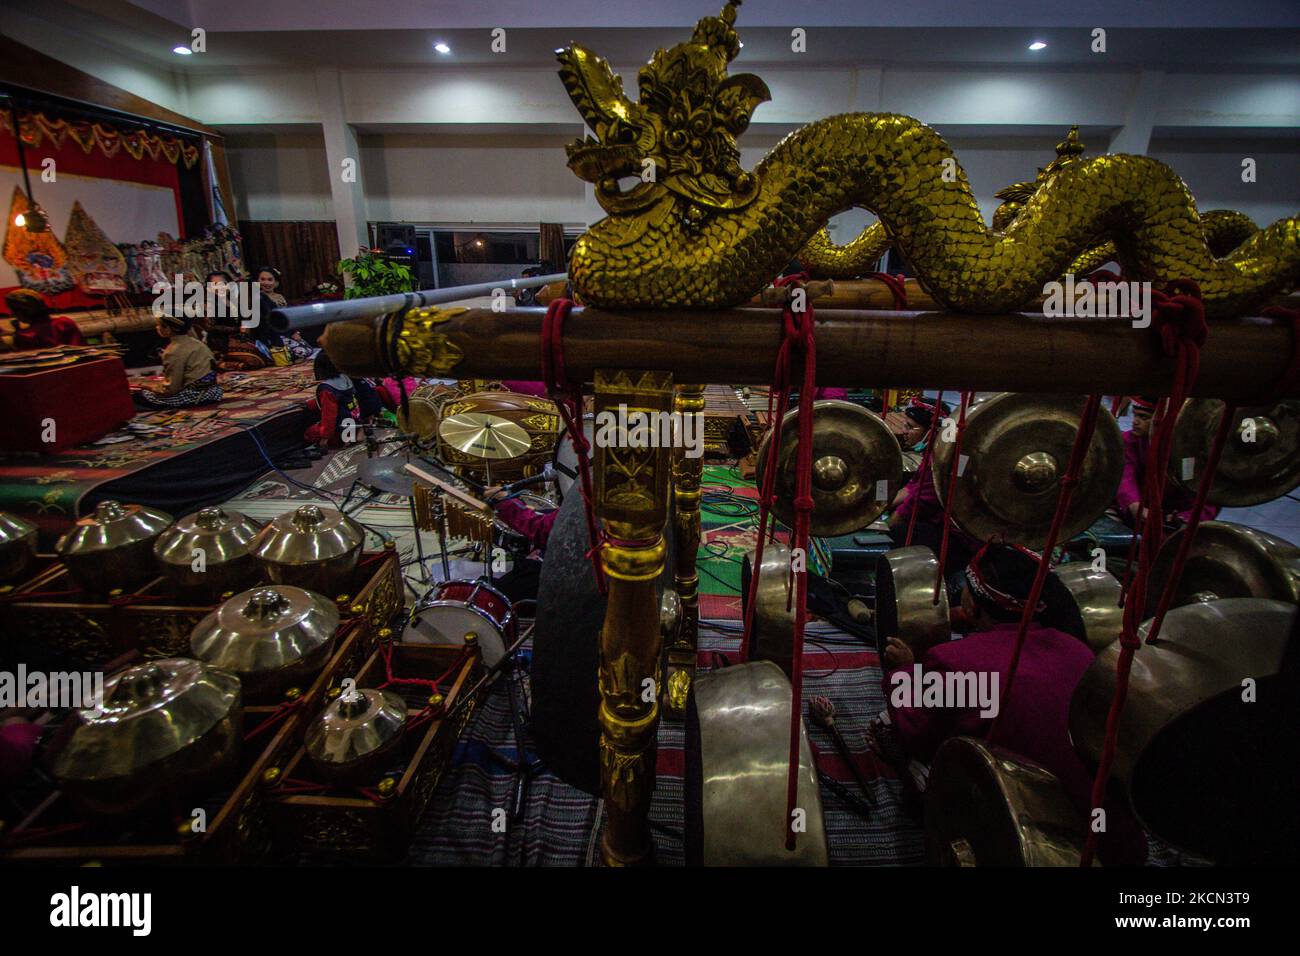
(453, 609)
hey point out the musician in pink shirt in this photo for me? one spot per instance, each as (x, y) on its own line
(1178, 502)
(1035, 722)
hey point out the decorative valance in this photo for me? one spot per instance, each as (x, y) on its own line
(138, 144)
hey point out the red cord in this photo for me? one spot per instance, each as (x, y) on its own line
(923, 472)
(1180, 323)
(568, 400)
(953, 468)
(1082, 442)
(897, 285)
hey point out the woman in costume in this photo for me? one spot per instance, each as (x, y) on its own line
(189, 367)
(34, 327)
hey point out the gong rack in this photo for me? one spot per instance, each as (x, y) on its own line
(1243, 361)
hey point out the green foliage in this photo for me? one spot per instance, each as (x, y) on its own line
(372, 274)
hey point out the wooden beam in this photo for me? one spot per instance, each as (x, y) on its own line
(23, 66)
(1020, 353)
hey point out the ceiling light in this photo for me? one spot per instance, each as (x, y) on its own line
(182, 50)
(442, 47)
(20, 220)
(1038, 45)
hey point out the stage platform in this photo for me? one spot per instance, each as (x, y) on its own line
(191, 458)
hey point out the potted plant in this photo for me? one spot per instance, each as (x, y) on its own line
(371, 273)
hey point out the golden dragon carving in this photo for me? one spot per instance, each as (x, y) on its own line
(1223, 229)
(696, 230)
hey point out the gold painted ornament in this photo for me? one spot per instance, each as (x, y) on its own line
(716, 233)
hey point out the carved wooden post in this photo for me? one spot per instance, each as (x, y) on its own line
(688, 400)
(632, 500)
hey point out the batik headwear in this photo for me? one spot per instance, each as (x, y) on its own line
(1144, 403)
(27, 305)
(921, 410)
(1000, 577)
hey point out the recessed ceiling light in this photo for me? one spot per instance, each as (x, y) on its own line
(182, 50)
(442, 47)
(1038, 45)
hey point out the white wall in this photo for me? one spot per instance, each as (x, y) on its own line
(279, 176)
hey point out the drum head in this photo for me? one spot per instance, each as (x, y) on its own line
(566, 651)
(448, 621)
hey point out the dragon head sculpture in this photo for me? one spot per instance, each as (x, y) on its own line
(680, 136)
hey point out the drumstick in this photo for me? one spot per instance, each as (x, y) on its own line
(448, 488)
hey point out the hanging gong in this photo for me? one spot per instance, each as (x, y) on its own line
(1205, 767)
(773, 635)
(857, 467)
(1227, 560)
(566, 649)
(1084, 602)
(737, 761)
(1260, 460)
(985, 806)
(905, 605)
(1016, 449)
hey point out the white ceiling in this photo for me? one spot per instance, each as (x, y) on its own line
(377, 33)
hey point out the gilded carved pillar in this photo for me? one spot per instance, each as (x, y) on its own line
(632, 486)
(688, 400)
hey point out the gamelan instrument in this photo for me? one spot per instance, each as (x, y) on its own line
(273, 638)
(355, 736)
(504, 435)
(1015, 451)
(423, 410)
(857, 467)
(113, 548)
(167, 730)
(514, 544)
(737, 754)
(566, 649)
(1084, 601)
(905, 601)
(17, 546)
(1260, 460)
(1207, 749)
(985, 806)
(460, 612)
(311, 547)
(1227, 560)
(220, 542)
(772, 638)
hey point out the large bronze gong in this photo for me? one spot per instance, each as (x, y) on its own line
(1227, 561)
(1015, 449)
(773, 634)
(1208, 739)
(985, 806)
(1260, 460)
(857, 467)
(1084, 602)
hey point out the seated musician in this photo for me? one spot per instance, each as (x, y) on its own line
(335, 404)
(533, 525)
(34, 327)
(919, 494)
(1035, 723)
(189, 368)
(1178, 502)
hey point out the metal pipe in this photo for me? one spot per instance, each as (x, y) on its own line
(1242, 360)
(293, 317)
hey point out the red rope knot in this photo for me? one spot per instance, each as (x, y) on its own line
(897, 285)
(803, 503)
(1180, 315)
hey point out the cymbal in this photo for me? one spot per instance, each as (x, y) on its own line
(484, 436)
(857, 467)
(1260, 460)
(1227, 560)
(1017, 448)
(387, 474)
